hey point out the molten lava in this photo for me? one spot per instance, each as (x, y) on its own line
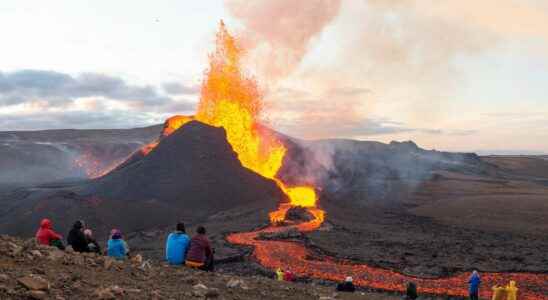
(296, 257)
(170, 125)
(92, 166)
(231, 100)
(174, 123)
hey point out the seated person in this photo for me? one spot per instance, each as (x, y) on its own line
(116, 246)
(46, 236)
(76, 237)
(177, 245)
(200, 254)
(93, 246)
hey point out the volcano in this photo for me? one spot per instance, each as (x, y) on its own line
(191, 174)
(194, 167)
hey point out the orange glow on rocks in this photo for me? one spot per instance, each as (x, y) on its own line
(296, 257)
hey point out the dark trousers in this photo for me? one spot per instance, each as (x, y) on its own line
(58, 244)
(209, 264)
(474, 296)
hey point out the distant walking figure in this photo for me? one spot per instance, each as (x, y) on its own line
(411, 291)
(200, 254)
(474, 283)
(346, 286)
(46, 236)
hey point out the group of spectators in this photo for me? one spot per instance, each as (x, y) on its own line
(194, 253)
(180, 249)
(80, 239)
(411, 289)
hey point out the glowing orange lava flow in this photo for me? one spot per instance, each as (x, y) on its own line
(294, 256)
(231, 100)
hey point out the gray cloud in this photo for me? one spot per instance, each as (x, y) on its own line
(51, 97)
(78, 120)
(175, 88)
(365, 128)
(59, 88)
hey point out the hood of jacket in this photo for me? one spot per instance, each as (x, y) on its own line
(78, 225)
(45, 224)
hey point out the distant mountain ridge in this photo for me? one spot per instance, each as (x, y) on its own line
(34, 157)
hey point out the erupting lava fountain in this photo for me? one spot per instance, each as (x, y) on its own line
(231, 100)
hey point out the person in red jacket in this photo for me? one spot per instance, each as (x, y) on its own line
(200, 254)
(289, 276)
(46, 236)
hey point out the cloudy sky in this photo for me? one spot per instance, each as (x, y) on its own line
(451, 75)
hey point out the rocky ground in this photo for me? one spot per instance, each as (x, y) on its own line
(28, 271)
(451, 224)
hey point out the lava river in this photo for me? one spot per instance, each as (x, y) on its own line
(305, 263)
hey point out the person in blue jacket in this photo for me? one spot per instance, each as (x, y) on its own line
(474, 285)
(116, 246)
(177, 245)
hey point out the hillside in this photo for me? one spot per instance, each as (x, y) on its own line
(388, 205)
(35, 157)
(28, 271)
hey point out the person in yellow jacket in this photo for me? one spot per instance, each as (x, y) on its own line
(279, 274)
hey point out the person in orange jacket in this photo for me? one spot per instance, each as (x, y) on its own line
(46, 236)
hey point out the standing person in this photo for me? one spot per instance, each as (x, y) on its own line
(76, 237)
(93, 246)
(200, 254)
(279, 274)
(46, 236)
(411, 291)
(116, 246)
(289, 276)
(474, 283)
(177, 245)
(346, 286)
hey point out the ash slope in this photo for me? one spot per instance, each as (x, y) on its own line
(195, 166)
(35, 157)
(191, 174)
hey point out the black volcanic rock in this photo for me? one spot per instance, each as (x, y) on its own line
(192, 174)
(298, 213)
(194, 167)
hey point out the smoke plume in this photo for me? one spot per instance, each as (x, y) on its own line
(281, 31)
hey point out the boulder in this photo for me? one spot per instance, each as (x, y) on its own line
(199, 290)
(56, 255)
(212, 293)
(117, 290)
(104, 294)
(108, 263)
(39, 295)
(236, 283)
(298, 213)
(291, 233)
(34, 282)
